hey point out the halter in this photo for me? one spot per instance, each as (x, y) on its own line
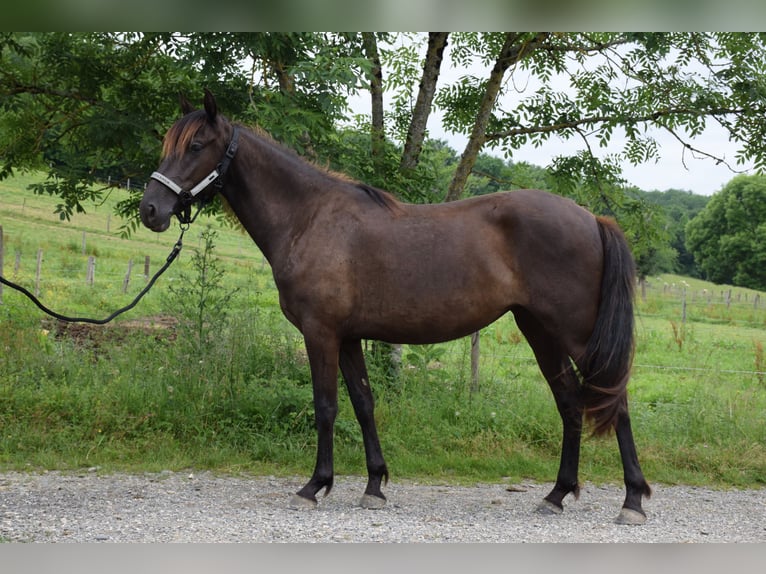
(215, 177)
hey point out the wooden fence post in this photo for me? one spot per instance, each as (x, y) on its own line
(1, 263)
(146, 268)
(475, 339)
(127, 276)
(91, 276)
(38, 270)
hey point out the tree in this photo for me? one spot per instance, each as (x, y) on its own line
(82, 106)
(728, 237)
(79, 104)
(416, 133)
(679, 207)
(617, 83)
(514, 48)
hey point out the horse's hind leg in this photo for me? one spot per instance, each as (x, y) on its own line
(557, 370)
(355, 374)
(636, 486)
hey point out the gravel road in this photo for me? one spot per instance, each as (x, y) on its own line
(184, 507)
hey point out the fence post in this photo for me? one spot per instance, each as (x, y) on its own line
(38, 270)
(91, 275)
(146, 268)
(127, 276)
(475, 339)
(83, 242)
(1, 263)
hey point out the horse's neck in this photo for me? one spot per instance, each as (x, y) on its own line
(269, 195)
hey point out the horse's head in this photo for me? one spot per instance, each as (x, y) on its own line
(195, 153)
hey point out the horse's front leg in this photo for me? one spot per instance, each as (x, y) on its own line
(323, 359)
(355, 374)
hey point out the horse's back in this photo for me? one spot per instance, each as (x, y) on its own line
(428, 273)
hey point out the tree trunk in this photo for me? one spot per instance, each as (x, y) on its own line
(416, 133)
(514, 48)
(377, 129)
(385, 355)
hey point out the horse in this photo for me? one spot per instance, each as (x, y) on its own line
(353, 263)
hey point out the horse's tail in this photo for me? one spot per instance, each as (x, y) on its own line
(606, 365)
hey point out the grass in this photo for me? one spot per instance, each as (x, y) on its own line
(233, 393)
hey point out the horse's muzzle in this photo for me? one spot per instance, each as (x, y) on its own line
(154, 214)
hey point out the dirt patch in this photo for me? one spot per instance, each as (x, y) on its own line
(87, 335)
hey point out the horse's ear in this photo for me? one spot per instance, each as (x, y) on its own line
(186, 106)
(211, 108)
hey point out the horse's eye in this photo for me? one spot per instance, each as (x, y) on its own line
(195, 146)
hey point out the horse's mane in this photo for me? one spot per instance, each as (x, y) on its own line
(380, 197)
(181, 133)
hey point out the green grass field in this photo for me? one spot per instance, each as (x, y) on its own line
(148, 392)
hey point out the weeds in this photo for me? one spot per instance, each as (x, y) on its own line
(230, 387)
(679, 334)
(247, 404)
(200, 299)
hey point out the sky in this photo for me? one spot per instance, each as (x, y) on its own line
(678, 167)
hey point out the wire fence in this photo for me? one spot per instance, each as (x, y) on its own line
(679, 303)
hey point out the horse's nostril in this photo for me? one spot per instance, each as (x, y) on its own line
(148, 212)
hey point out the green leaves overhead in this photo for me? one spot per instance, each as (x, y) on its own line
(82, 107)
(92, 106)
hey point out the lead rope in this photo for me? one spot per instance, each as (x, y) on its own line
(172, 257)
(184, 217)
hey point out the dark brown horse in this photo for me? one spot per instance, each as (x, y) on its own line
(352, 263)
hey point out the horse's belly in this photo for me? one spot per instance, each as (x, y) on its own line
(429, 318)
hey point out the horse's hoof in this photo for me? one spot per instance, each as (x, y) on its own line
(372, 502)
(547, 507)
(630, 517)
(298, 502)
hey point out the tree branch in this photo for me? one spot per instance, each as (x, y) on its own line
(591, 120)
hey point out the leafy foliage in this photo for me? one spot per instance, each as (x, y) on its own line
(200, 300)
(679, 207)
(728, 237)
(85, 107)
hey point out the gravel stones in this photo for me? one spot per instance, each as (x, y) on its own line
(204, 507)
